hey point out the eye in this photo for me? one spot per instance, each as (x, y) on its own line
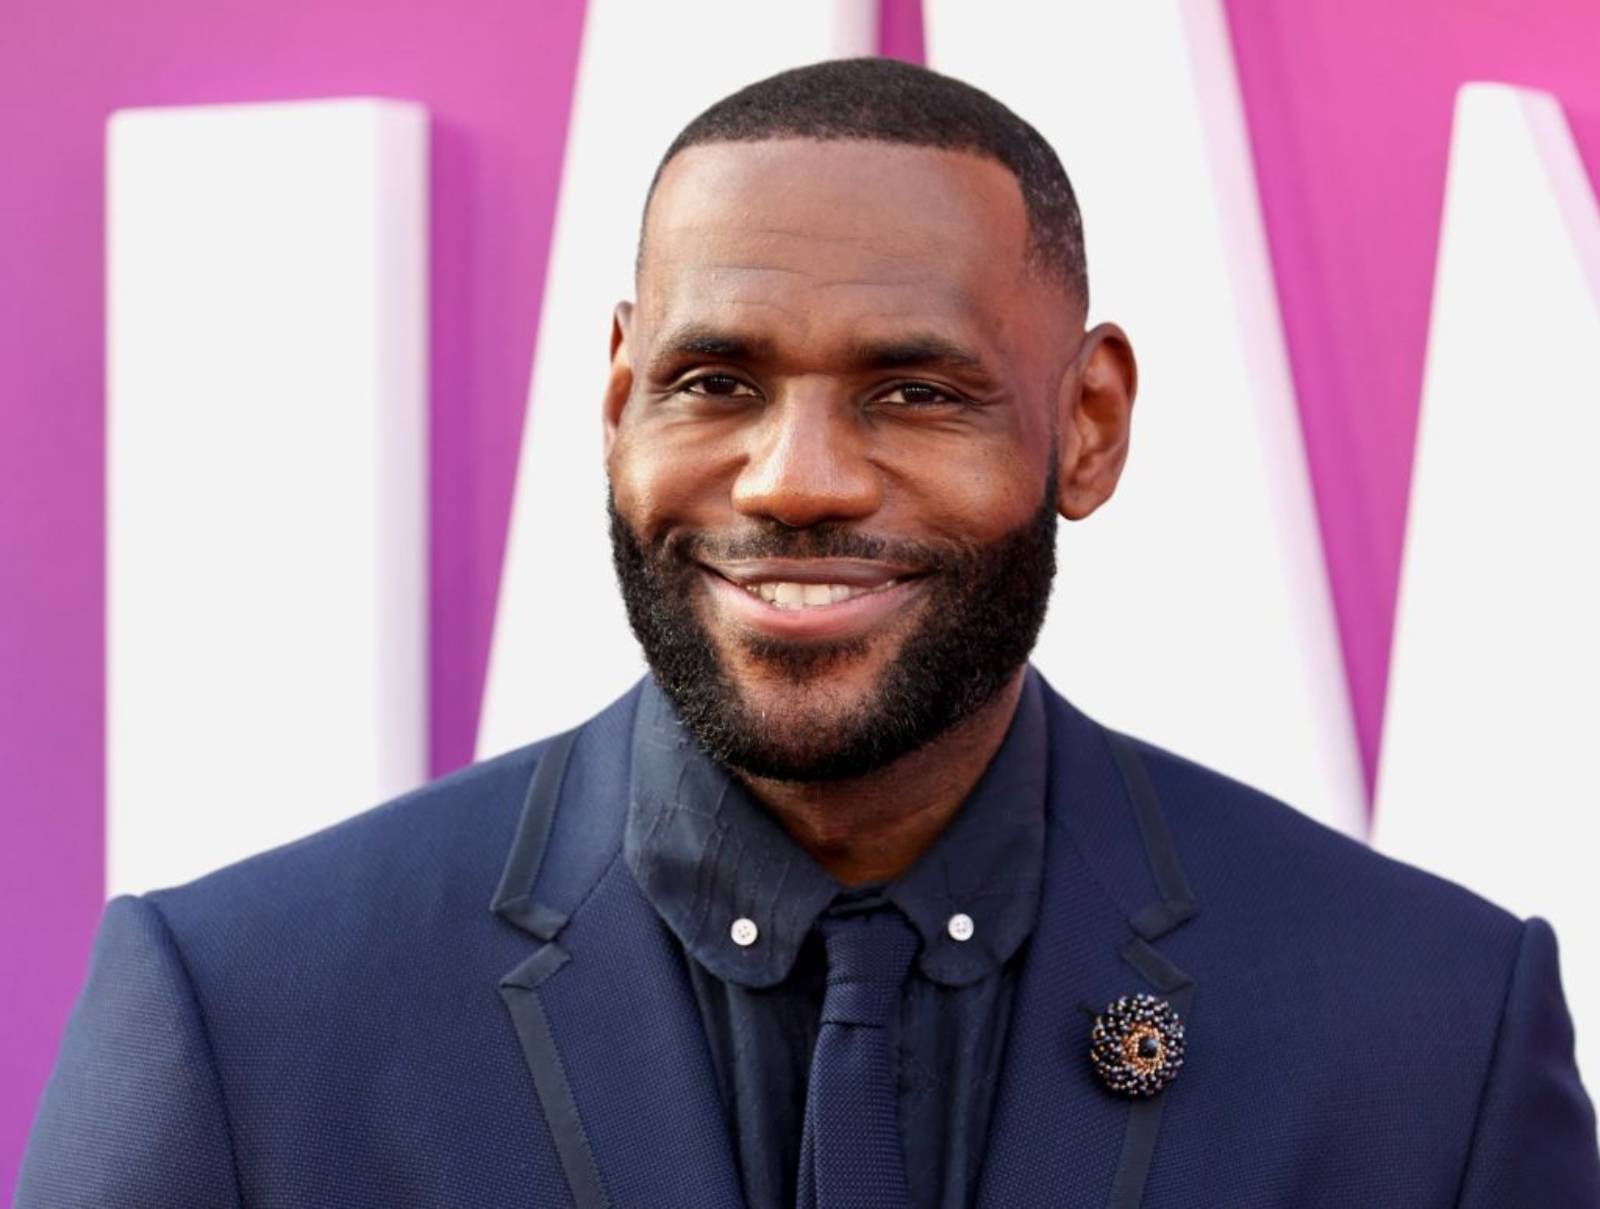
(919, 394)
(718, 386)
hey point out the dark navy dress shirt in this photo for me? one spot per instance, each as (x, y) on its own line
(744, 898)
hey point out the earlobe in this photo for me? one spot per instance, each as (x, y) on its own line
(1096, 411)
(619, 384)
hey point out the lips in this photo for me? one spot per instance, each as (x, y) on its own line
(812, 598)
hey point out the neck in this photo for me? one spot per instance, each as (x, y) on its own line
(871, 828)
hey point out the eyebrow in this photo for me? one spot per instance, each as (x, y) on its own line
(921, 349)
(698, 340)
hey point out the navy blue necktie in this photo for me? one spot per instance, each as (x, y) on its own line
(850, 1152)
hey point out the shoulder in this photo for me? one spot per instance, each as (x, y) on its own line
(428, 860)
(1257, 862)
(427, 837)
(1445, 1011)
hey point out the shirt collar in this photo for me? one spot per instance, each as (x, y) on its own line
(706, 855)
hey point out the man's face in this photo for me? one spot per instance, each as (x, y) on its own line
(832, 443)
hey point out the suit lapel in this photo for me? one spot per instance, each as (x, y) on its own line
(602, 1004)
(1112, 887)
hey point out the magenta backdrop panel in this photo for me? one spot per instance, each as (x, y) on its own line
(498, 76)
(900, 31)
(1349, 106)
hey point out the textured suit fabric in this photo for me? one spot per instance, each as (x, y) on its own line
(1525, 1127)
(340, 1022)
(162, 1111)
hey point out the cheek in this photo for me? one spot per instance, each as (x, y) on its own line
(978, 498)
(632, 476)
(656, 485)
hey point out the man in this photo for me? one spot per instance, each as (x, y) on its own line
(843, 905)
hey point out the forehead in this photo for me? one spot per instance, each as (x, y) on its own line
(811, 238)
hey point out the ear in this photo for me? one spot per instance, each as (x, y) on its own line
(620, 383)
(1095, 411)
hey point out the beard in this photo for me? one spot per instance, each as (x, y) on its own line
(984, 605)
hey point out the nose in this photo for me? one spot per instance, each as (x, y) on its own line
(807, 463)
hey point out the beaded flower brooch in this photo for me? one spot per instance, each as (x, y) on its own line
(1137, 1045)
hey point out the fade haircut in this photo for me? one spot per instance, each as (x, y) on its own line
(882, 100)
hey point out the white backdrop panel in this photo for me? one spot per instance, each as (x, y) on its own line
(267, 502)
(562, 648)
(1193, 610)
(1494, 696)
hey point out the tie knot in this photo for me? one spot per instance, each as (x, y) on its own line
(868, 956)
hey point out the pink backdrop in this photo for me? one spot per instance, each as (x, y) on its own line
(497, 76)
(1348, 104)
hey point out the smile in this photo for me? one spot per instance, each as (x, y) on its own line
(790, 594)
(812, 599)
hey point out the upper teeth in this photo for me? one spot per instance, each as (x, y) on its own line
(788, 595)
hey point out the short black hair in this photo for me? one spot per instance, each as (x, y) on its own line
(883, 100)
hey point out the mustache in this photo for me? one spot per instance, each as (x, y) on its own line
(826, 540)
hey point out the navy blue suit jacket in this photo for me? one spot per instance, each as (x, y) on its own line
(347, 1022)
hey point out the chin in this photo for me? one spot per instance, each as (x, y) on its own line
(838, 675)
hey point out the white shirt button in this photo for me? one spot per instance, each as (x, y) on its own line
(744, 932)
(960, 926)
